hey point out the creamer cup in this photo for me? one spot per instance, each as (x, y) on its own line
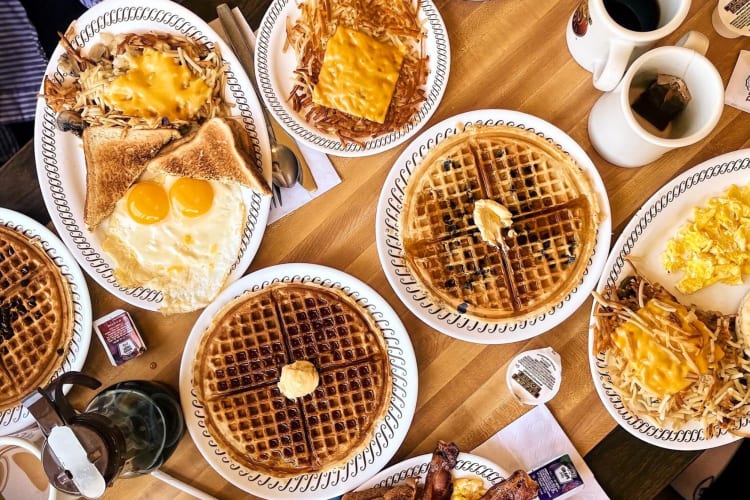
(534, 376)
(731, 18)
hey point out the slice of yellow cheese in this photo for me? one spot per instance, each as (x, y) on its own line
(358, 75)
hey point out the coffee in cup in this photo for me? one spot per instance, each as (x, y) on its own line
(634, 15)
(605, 36)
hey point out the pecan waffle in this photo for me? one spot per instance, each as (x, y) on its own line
(544, 250)
(36, 317)
(239, 364)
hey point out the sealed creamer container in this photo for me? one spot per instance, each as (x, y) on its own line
(731, 18)
(534, 376)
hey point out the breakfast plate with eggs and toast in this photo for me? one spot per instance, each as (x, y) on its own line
(493, 226)
(670, 293)
(298, 381)
(361, 83)
(152, 154)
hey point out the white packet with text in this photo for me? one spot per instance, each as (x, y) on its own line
(737, 93)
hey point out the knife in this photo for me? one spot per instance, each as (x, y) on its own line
(245, 56)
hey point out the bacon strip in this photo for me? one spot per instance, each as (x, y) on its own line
(519, 486)
(438, 484)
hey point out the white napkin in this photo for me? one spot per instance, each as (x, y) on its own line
(534, 440)
(322, 170)
(737, 93)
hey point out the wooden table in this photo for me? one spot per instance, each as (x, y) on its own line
(505, 54)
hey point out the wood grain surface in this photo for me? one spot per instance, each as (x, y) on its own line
(506, 54)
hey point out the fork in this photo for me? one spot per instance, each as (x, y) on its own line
(276, 198)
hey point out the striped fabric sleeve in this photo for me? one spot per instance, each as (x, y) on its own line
(8, 144)
(22, 68)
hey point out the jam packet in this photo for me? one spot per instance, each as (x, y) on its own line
(557, 479)
(119, 336)
(737, 93)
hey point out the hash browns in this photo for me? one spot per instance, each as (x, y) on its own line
(390, 21)
(717, 398)
(88, 73)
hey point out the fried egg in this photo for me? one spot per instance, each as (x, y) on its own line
(176, 235)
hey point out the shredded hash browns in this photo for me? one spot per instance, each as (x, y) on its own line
(716, 395)
(388, 21)
(84, 88)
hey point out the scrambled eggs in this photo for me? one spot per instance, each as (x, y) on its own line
(468, 488)
(713, 247)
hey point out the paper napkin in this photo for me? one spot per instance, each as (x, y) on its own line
(323, 171)
(737, 93)
(533, 440)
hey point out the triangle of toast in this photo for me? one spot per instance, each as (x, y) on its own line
(115, 158)
(219, 150)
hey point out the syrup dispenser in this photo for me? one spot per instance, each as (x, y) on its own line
(128, 429)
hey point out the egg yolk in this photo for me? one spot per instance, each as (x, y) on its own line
(147, 203)
(192, 197)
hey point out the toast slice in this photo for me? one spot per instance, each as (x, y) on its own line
(219, 150)
(115, 158)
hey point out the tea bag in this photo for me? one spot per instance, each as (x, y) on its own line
(737, 93)
(663, 100)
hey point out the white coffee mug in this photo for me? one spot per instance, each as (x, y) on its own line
(605, 47)
(21, 472)
(624, 138)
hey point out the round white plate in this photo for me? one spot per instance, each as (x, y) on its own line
(61, 166)
(467, 465)
(406, 286)
(645, 238)
(388, 436)
(18, 418)
(274, 69)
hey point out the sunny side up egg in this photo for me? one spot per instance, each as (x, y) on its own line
(177, 235)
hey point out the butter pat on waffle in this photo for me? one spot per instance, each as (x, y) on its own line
(545, 213)
(239, 364)
(36, 317)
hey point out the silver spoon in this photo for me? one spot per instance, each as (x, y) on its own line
(285, 171)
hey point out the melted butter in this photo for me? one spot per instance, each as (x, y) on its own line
(358, 75)
(490, 217)
(157, 86)
(298, 379)
(660, 369)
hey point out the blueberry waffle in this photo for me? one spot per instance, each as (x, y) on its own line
(36, 317)
(544, 248)
(240, 360)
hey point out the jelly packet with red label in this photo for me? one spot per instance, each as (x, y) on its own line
(119, 336)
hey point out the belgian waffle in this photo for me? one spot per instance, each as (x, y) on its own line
(36, 317)
(545, 250)
(239, 363)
